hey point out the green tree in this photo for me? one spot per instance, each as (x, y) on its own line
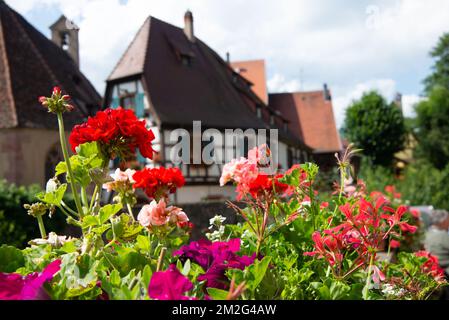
(440, 75)
(375, 126)
(432, 127)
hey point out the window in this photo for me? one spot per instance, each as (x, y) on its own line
(65, 41)
(259, 112)
(129, 95)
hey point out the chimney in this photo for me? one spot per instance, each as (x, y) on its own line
(64, 33)
(327, 93)
(228, 57)
(188, 26)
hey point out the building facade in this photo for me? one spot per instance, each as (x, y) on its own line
(173, 80)
(30, 66)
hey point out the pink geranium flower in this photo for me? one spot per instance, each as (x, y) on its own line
(153, 214)
(122, 180)
(239, 171)
(169, 285)
(158, 214)
(31, 287)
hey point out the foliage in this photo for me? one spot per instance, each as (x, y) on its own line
(16, 227)
(291, 245)
(420, 183)
(440, 74)
(375, 126)
(432, 126)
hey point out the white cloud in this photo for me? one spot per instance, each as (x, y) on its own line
(376, 44)
(409, 102)
(343, 97)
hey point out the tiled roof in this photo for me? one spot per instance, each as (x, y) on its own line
(311, 119)
(30, 66)
(207, 89)
(254, 71)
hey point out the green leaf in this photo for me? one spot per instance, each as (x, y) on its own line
(217, 294)
(108, 211)
(143, 243)
(69, 247)
(87, 150)
(53, 198)
(90, 221)
(259, 270)
(61, 168)
(11, 259)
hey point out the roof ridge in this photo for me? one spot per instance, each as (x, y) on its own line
(296, 92)
(130, 45)
(4, 57)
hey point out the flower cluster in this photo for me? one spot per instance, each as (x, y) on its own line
(250, 179)
(215, 258)
(118, 131)
(431, 265)
(169, 285)
(367, 225)
(157, 183)
(57, 103)
(157, 214)
(31, 287)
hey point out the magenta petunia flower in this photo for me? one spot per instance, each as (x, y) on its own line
(215, 258)
(31, 287)
(169, 285)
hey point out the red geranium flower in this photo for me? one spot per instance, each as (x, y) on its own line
(158, 182)
(118, 131)
(431, 265)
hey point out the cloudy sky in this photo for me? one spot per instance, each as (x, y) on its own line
(353, 45)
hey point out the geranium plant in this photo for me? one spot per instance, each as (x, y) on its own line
(291, 245)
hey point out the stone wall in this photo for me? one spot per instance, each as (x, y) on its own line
(23, 153)
(201, 213)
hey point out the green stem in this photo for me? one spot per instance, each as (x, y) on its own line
(40, 222)
(92, 201)
(64, 211)
(65, 152)
(161, 259)
(68, 208)
(130, 211)
(368, 278)
(84, 199)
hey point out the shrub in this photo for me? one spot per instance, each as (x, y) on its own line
(16, 227)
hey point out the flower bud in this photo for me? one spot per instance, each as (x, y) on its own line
(66, 97)
(36, 209)
(56, 91)
(69, 107)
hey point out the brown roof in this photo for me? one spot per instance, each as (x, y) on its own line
(207, 90)
(30, 66)
(254, 71)
(311, 118)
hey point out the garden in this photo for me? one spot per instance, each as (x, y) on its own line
(295, 242)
